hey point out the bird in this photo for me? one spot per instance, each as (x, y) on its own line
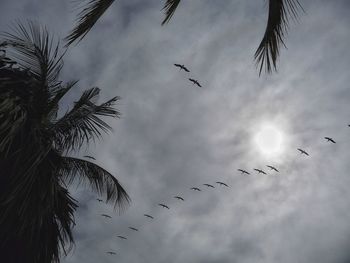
(133, 228)
(259, 171)
(100, 200)
(90, 157)
(107, 216)
(272, 168)
(182, 67)
(195, 82)
(329, 139)
(111, 253)
(221, 183)
(196, 189)
(149, 216)
(243, 171)
(209, 185)
(303, 152)
(164, 206)
(179, 197)
(122, 237)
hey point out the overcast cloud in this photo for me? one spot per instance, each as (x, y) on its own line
(173, 136)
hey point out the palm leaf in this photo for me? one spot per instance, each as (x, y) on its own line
(83, 122)
(33, 48)
(169, 9)
(100, 180)
(280, 11)
(87, 18)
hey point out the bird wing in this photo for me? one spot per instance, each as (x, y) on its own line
(177, 65)
(186, 69)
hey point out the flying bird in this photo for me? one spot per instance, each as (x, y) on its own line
(100, 200)
(196, 189)
(303, 152)
(164, 206)
(111, 253)
(179, 197)
(272, 168)
(107, 216)
(195, 82)
(148, 216)
(221, 183)
(90, 157)
(133, 228)
(259, 171)
(243, 171)
(182, 67)
(122, 237)
(209, 185)
(329, 139)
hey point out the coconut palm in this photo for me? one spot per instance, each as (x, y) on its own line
(266, 55)
(36, 147)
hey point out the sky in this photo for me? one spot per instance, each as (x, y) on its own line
(173, 135)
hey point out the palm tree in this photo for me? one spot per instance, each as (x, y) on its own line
(266, 55)
(36, 208)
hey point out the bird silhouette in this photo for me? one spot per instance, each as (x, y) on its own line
(243, 171)
(329, 139)
(179, 198)
(303, 152)
(149, 216)
(122, 237)
(106, 216)
(259, 171)
(182, 67)
(209, 185)
(164, 206)
(272, 168)
(133, 228)
(221, 183)
(111, 253)
(90, 157)
(196, 189)
(195, 82)
(100, 200)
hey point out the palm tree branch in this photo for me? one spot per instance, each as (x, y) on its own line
(87, 18)
(169, 9)
(83, 122)
(33, 48)
(100, 180)
(280, 11)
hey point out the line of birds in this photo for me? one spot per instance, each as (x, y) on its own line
(180, 198)
(182, 67)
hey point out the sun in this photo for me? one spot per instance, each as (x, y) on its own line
(269, 140)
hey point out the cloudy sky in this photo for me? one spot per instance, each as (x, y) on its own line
(173, 136)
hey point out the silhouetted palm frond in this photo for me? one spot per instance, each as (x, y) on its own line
(34, 49)
(92, 11)
(169, 9)
(82, 123)
(100, 180)
(280, 11)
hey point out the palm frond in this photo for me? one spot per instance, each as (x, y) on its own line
(169, 9)
(83, 122)
(57, 96)
(87, 18)
(100, 180)
(280, 11)
(34, 49)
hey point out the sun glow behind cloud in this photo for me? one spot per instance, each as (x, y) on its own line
(270, 140)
